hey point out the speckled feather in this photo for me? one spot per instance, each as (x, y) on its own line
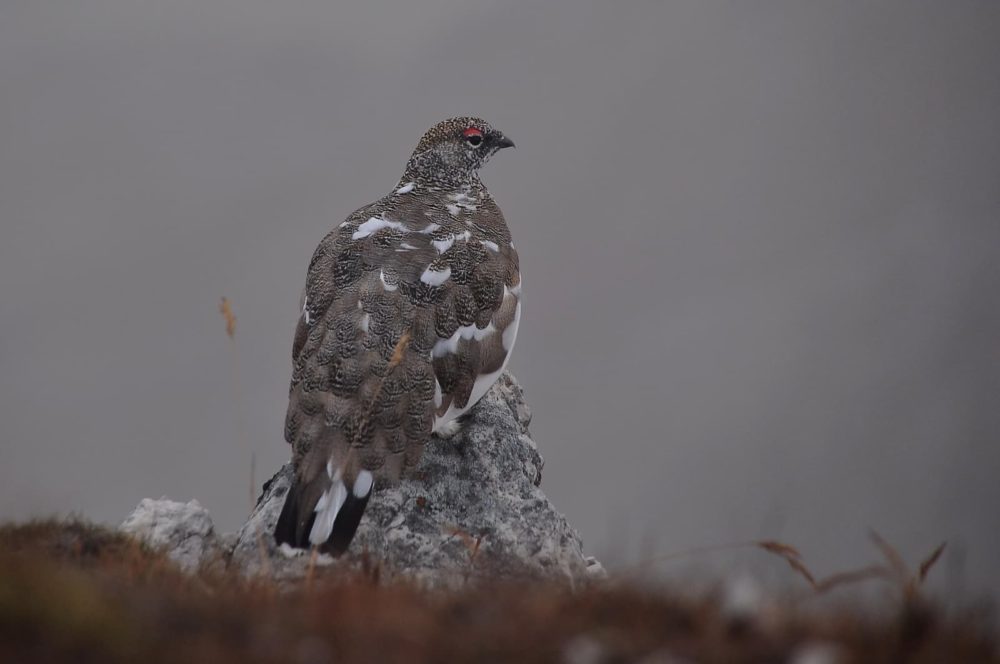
(432, 264)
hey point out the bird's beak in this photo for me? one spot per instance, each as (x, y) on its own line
(504, 142)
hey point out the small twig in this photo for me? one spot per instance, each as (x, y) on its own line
(311, 568)
(687, 553)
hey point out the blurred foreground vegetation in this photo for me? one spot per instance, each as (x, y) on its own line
(71, 591)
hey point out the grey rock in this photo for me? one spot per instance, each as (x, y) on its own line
(183, 530)
(472, 509)
(595, 570)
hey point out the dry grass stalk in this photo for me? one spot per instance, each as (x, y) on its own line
(779, 548)
(930, 561)
(397, 352)
(908, 581)
(226, 309)
(896, 569)
(794, 559)
(852, 576)
(371, 567)
(394, 361)
(311, 569)
(472, 544)
(265, 559)
(397, 357)
(896, 562)
(643, 565)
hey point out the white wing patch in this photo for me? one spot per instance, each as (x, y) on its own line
(443, 245)
(432, 277)
(376, 224)
(450, 345)
(406, 188)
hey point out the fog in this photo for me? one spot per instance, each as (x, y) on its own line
(760, 245)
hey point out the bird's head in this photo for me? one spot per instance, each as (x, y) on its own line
(455, 149)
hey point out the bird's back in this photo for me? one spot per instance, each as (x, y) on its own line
(409, 315)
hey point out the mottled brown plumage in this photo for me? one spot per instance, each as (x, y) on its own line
(409, 314)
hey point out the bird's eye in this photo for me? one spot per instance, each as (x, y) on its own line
(473, 137)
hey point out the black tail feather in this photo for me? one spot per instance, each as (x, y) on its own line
(296, 521)
(346, 524)
(286, 531)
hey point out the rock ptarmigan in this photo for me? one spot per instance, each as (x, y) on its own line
(409, 315)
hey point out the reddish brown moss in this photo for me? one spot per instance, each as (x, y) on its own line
(76, 592)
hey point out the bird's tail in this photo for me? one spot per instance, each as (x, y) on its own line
(324, 511)
(330, 490)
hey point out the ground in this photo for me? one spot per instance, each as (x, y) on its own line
(72, 591)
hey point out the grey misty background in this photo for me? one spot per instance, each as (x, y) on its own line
(760, 245)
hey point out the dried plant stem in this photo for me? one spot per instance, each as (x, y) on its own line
(394, 361)
(226, 309)
(311, 568)
(643, 565)
(896, 569)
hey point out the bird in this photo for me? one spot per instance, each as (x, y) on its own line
(409, 315)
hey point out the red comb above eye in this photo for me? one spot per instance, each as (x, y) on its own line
(472, 131)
